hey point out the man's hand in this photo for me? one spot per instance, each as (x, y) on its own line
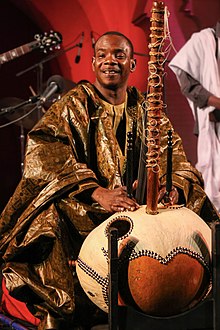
(170, 199)
(115, 200)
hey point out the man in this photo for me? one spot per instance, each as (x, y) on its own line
(73, 180)
(197, 67)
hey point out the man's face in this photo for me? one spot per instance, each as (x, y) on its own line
(112, 62)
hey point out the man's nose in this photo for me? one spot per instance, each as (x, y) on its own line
(110, 58)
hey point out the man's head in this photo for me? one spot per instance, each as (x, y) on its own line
(113, 60)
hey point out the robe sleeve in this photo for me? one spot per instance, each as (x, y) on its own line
(53, 166)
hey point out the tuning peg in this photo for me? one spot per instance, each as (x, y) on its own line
(48, 41)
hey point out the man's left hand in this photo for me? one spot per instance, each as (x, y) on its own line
(170, 198)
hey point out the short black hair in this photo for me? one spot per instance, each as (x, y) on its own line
(120, 35)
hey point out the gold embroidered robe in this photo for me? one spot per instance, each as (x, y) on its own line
(69, 152)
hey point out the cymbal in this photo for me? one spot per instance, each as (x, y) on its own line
(31, 119)
(27, 122)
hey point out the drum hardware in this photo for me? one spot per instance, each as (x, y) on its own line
(113, 278)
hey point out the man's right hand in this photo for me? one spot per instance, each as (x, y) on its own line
(115, 200)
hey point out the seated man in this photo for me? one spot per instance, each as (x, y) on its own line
(73, 180)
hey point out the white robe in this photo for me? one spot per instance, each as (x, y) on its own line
(197, 58)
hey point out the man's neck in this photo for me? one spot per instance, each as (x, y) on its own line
(114, 97)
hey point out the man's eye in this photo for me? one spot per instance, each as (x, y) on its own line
(101, 55)
(120, 55)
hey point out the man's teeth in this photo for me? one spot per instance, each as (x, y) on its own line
(110, 71)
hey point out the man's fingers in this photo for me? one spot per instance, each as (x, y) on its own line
(125, 204)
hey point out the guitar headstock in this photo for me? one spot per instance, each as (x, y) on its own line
(48, 41)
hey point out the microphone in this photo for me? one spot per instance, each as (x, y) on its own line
(55, 84)
(93, 39)
(11, 109)
(77, 59)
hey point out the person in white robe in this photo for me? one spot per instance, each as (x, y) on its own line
(197, 68)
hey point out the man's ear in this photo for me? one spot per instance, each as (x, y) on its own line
(133, 65)
(93, 63)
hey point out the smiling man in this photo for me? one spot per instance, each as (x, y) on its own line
(74, 178)
(112, 64)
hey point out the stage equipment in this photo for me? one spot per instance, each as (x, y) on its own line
(45, 42)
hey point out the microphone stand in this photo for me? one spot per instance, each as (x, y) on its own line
(22, 139)
(40, 68)
(38, 107)
(10, 109)
(46, 59)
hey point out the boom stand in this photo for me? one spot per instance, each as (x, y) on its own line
(216, 275)
(113, 278)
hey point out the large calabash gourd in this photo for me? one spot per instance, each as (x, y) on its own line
(163, 263)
